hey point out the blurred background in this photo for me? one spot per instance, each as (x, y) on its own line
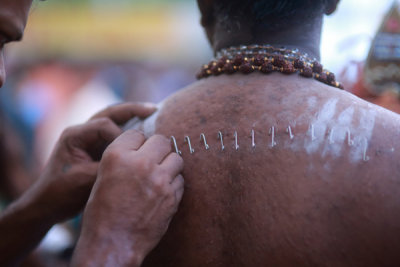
(79, 56)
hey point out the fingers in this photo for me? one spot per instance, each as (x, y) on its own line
(93, 132)
(156, 148)
(123, 112)
(131, 139)
(177, 186)
(172, 165)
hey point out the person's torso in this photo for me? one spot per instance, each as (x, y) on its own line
(296, 174)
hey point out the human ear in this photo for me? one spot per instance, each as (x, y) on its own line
(331, 6)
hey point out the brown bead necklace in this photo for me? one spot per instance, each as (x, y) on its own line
(267, 59)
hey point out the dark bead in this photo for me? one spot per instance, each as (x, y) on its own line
(215, 70)
(267, 67)
(202, 73)
(221, 62)
(246, 68)
(228, 68)
(259, 60)
(317, 67)
(238, 60)
(288, 68)
(307, 72)
(279, 61)
(211, 64)
(341, 86)
(331, 78)
(322, 78)
(298, 64)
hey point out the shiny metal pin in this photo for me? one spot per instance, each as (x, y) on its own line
(272, 134)
(176, 146)
(349, 141)
(187, 140)
(253, 143)
(222, 140)
(236, 140)
(289, 131)
(203, 138)
(365, 157)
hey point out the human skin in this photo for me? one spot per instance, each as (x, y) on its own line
(307, 201)
(137, 192)
(13, 18)
(62, 190)
(328, 196)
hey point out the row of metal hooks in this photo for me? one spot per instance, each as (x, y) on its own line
(272, 133)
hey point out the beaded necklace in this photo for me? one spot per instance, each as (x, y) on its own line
(267, 59)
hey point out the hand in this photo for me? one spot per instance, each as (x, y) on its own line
(137, 192)
(67, 180)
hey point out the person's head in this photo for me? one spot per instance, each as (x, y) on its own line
(13, 17)
(247, 20)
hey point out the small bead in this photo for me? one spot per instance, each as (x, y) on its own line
(203, 73)
(211, 64)
(298, 64)
(238, 60)
(246, 68)
(288, 68)
(258, 60)
(340, 86)
(215, 70)
(228, 68)
(317, 67)
(279, 61)
(267, 67)
(322, 77)
(331, 78)
(221, 62)
(307, 72)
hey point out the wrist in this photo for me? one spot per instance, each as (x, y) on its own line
(99, 245)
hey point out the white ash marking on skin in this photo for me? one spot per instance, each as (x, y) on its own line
(338, 138)
(320, 124)
(361, 133)
(146, 126)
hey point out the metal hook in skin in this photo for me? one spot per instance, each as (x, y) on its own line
(289, 131)
(349, 141)
(236, 140)
(222, 141)
(187, 139)
(272, 133)
(203, 137)
(253, 143)
(175, 146)
(365, 157)
(312, 132)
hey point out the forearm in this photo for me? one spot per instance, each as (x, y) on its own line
(105, 248)
(22, 227)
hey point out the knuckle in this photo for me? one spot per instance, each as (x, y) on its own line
(111, 155)
(160, 187)
(103, 122)
(68, 132)
(135, 133)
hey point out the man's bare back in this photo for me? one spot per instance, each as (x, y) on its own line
(317, 184)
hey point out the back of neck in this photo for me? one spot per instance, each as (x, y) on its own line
(304, 36)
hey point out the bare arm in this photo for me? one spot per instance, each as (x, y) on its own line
(137, 192)
(64, 187)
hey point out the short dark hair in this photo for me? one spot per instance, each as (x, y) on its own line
(268, 13)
